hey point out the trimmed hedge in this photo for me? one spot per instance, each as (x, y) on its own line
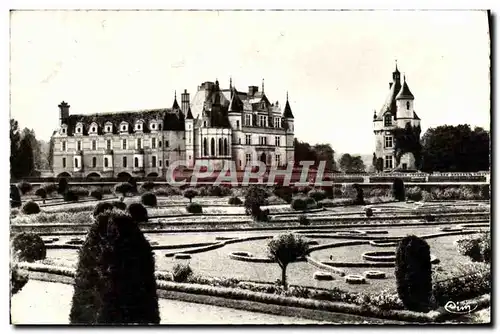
(414, 273)
(124, 188)
(102, 207)
(149, 199)
(96, 193)
(138, 212)
(24, 187)
(70, 196)
(181, 272)
(115, 281)
(194, 208)
(15, 196)
(41, 192)
(235, 201)
(28, 247)
(398, 190)
(30, 208)
(299, 204)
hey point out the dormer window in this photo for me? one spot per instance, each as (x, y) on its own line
(124, 127)
(64, 129)
(108, 127)
(387, 120)
(79, 128)
(138, 126)
(93, 128)
(153, 125)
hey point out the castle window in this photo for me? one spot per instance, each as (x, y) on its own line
(94, 162)
(106, 163)
(94, 145)
(124, 127)
(387, 120)
(248, 139)
(248, 158)
(108, 144)
(277, 122)
(153, 126)
(138, 126)
(388, 162)
(153, 161)
(63, 146)
(166, 143)
(93, 129)
(63, 131)
(76, 163)
(205, 147)
(248, 120)
(78, 130)
(79, 145)
(277, 159)
(159, 143)
(408, 105)
(212, 147)
(136, 162)
(388, 142)
(108, 129)
(166, 163)
(277, 140)
(226, 149)
(159, 127)
(153, 142)
(239, 141)
(124, 162)
(124, 144)
(220, 150)
(139, 144)
(237, 124)
(159, 163)
(64, 162)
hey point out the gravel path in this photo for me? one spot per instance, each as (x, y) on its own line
(49, 303)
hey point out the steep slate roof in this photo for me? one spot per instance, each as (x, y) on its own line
(189, 114)
(287, 113)
(236, 105)
(171, 120)
(405, 93)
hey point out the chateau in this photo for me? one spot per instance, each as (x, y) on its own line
(397, 128)
(217, 125)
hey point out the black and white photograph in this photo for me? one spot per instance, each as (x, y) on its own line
(250, 167)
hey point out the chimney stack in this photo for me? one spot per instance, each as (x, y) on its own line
(185, 102)
(63, 112)
(252, 90)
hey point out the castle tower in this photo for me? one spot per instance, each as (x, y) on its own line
(396, 113)
(189, 128)
(235, 111)
(288, 119)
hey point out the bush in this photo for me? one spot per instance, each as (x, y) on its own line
(285, 249)
(311, 203)
(42, 193)
(70, 196)
(398, 190)
(285, 193)
(413, 273)
(149, 199)
(299, 204)
(15, 197)
(28, 247)
(235, 201)
(303, 220)
(262, 215)
(190, 194)
(124, 188)
(115, 281)
(119, 205)
(30, 208)
(102, 207)
(219, 191)
(181, 272)
(414, 194)
(95, 193)
(317, 195)
(133, 183)
(478, 249)
(62, 186)
(194, 208)
(79, 191)
(255, 197)
(50, 188)
(24, 187)
(147, 186)
(369, 212)
(138, 212)
(17, 280)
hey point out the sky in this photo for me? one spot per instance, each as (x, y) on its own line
(335, 65)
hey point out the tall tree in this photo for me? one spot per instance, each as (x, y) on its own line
(457, 148)
(15, 138)
(50, 154)
(351, 164)
(26, 157)
(324, 152)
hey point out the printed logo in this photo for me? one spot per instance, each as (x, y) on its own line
(460, 307)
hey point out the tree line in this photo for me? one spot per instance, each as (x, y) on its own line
(27, 154)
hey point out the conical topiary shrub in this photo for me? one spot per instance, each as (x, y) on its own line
(413, 273)
(115, 281)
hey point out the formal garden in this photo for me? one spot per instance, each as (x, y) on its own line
(357, 254)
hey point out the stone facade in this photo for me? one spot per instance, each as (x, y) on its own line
(397, 113)
(217, 126)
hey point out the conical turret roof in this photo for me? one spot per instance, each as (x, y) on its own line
(405, 93)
